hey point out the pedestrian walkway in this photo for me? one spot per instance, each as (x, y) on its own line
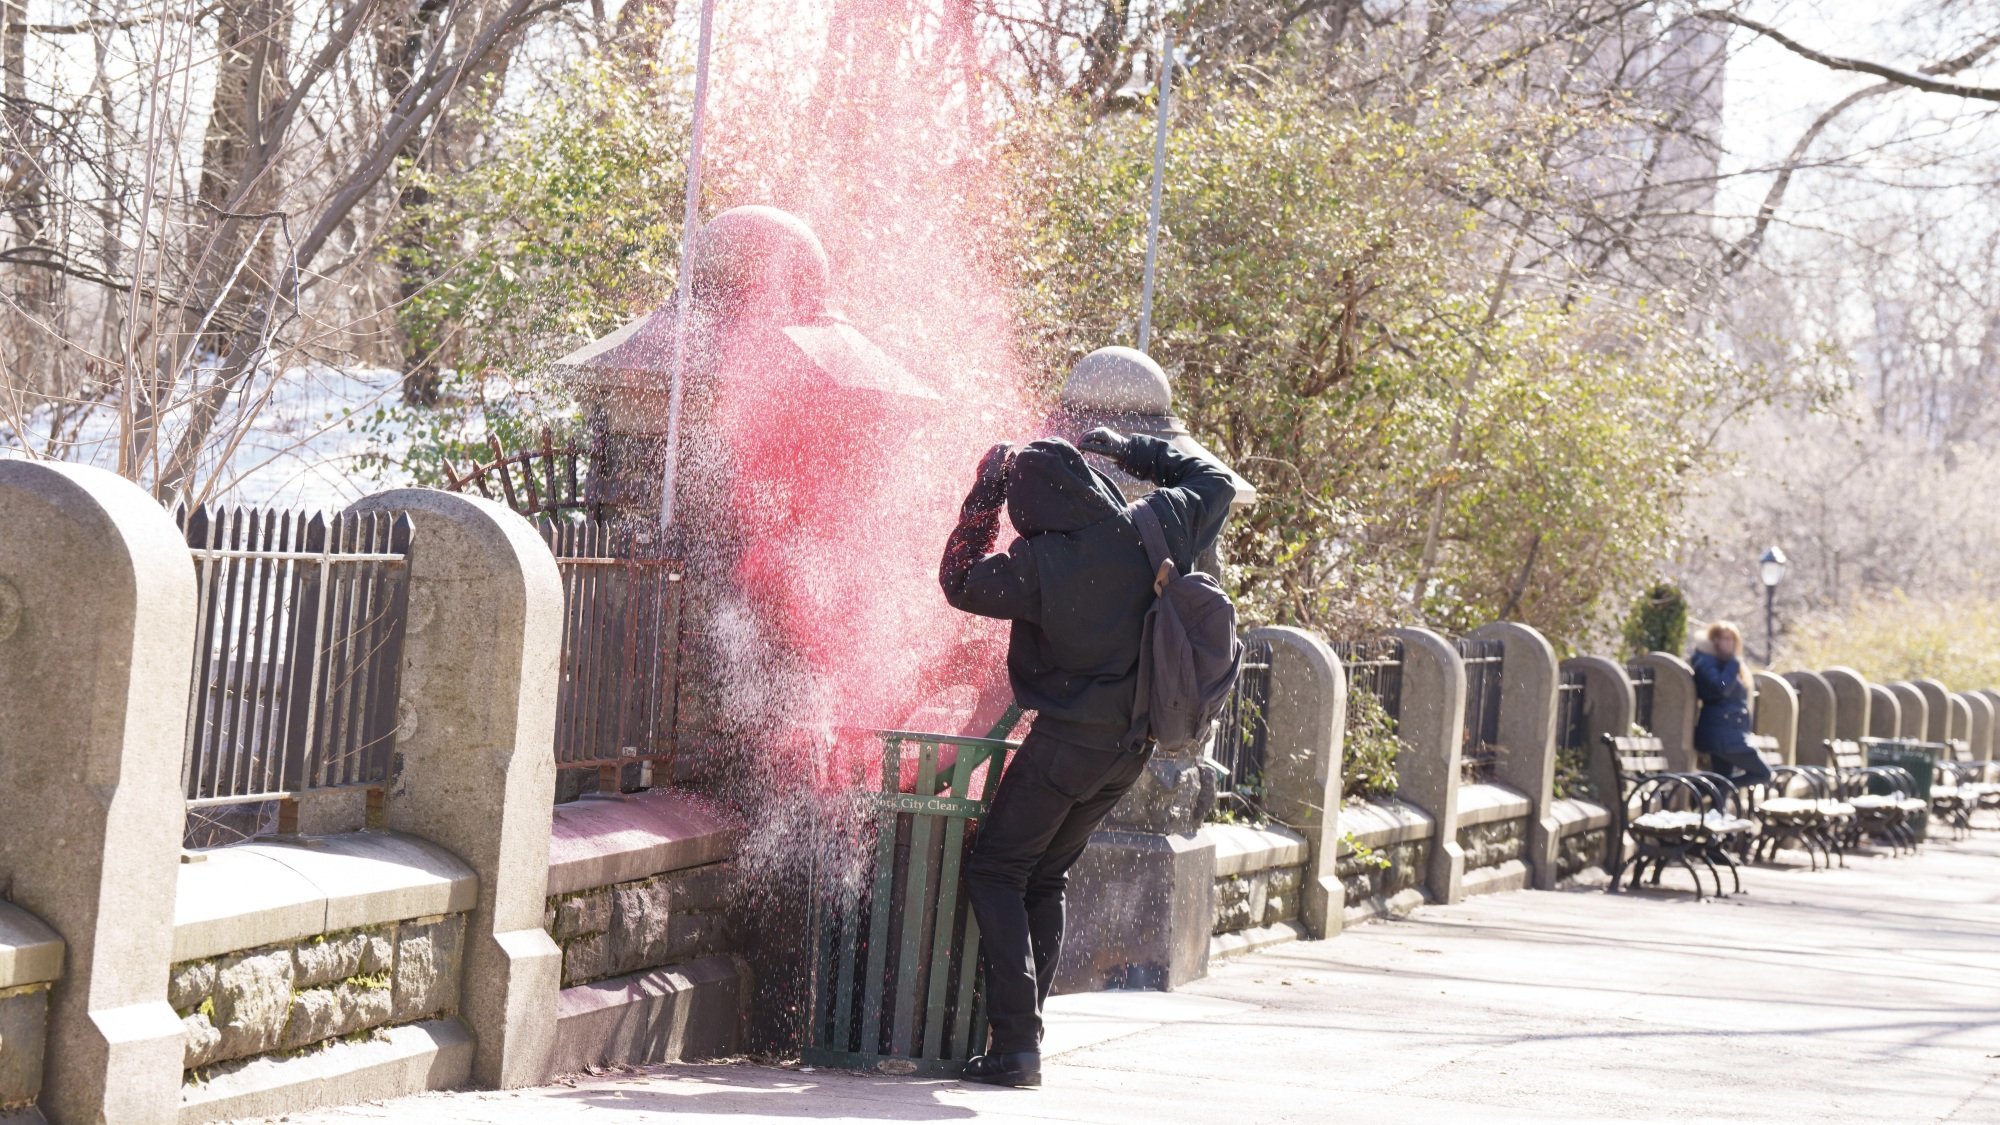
(1869, 994)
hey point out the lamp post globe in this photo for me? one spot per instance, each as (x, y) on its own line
(1771, 568)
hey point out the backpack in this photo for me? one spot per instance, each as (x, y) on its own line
(1189, 654)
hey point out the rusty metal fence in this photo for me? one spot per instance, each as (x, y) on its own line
(621, 615)
(1376, 667)
(1242, 729)
(298, 650)
(1641, 676)
(1485, 666)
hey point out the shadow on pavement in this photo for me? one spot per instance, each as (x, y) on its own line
(750, 1090)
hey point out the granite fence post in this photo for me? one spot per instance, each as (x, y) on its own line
(1674, 707)
(1915, 722)
(1980, 731)
(1852, 704)
(1993, 743)
(1818, 712)
(1777, 712)
(1961, 718)
(475, 754)
(1432, 726)
(1528, 701)
(1937, 709)
(1885, 712)
(97, 615)
(1304, 721)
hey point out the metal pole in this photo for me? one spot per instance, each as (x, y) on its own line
(683, 292)
(1770, 629)
(1166, 94)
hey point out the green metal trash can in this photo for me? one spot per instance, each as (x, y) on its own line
(1919, 759)
(896, 975)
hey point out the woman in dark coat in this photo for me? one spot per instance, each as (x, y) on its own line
(1723, 685)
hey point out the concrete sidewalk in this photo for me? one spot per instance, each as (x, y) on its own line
(1866, 994)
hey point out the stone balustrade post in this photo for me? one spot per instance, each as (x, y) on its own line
(1431, 726)
(1852, 704)
(1818, 714)
(1915, 710)
(1530, 679)
(1937, 709)
(475, 754)
(1608, 707)
(1979, 731)
(1675, 708)
(97, 616)
(1305, 719)
(1777, 713)
(1885, 712)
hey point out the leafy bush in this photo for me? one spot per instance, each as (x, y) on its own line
(1658, 622)
(1368, 753)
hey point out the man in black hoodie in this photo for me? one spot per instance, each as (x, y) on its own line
(1077, 585)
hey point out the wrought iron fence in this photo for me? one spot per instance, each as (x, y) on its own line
(1572, 778)
(621, 618)
(1572, 732)
(1376, 667)
(1485, 663)
(1641, 676)
(298, 651)
(1242, 731)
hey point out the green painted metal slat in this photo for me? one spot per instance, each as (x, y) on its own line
(915, 883)
(879, 906)
(946, 914)
(847, 925)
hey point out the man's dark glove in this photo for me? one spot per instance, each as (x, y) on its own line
(1106, 442)
(989, 489)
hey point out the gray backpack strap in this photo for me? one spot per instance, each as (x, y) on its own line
(1154, 535)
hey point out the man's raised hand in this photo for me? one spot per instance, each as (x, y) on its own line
(989, 488)
(1106, 442)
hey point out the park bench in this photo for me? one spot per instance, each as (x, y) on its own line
(1975, 780)
(1671, 817)
(1959, 788)
(1795, 807)
(1885, 809)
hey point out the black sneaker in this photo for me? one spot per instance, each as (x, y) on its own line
(1021, 1068)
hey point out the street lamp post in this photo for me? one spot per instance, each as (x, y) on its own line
(1771, 569)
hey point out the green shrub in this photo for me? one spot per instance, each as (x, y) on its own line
(1368, 754)
(1658, 622)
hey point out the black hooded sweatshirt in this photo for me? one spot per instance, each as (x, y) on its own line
(1077, 583)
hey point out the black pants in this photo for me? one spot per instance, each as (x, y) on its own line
(1050, 799)
(1743, 767)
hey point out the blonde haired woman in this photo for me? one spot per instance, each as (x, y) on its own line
(1723, 685)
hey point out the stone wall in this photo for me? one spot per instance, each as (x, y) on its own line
(1260, 898)
(640, 924)
(31, 959)
(1387, 874)
(24, 1020)
(1580, 851)
(1390, 890)
(295, 995)
(1494, 842)
(1583, 835)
